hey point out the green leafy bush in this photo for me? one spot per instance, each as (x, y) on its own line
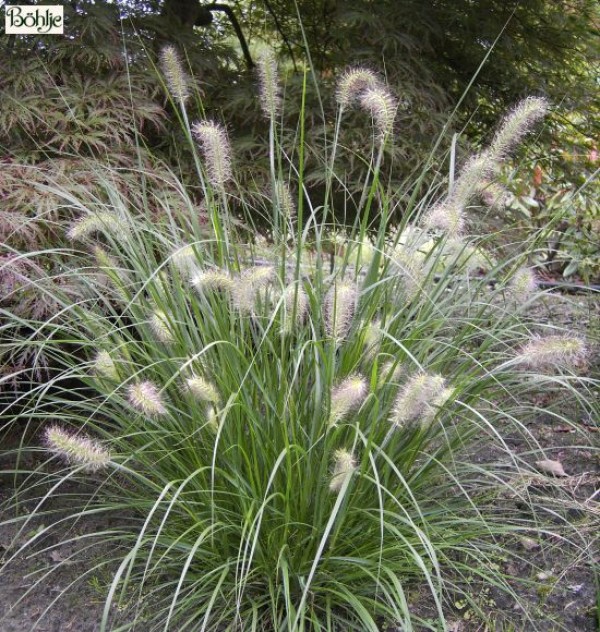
(289, 439)
(561, 191)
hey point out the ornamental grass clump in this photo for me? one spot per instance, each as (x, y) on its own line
(296, 436)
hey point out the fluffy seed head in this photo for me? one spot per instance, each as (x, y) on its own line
(284, 200)
(159, 324)
(522, 286)
(83, 228)
(475, 171)
(347, 396)
(212, 420)
(448, 216)
(294, 296)
(75, 449)
(344, 465)
(353, 83)
(548, 352)
(216, 150)
(102, 222)
(516, 125)
(145, 397)
(270, 98)
(249, 284)
(212, 280)
(382, 106)
(103, 259)
(201, 389)
(184, 259)
(419, 399)
(177, 79)
(105, 366)
(260, 276)
(340, 305)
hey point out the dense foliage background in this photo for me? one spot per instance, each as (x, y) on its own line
(64, 98)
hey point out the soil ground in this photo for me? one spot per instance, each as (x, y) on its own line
(566, 600)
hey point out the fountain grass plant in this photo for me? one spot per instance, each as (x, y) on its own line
(286, 438)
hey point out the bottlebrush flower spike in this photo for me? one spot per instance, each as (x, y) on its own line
(294, 293)
(201, 389)
(184, 259)
(103, 259)
(353, 83)
(447, 218)
(270, 98)
(474, 172)
(79, 450)
(344, 466)
(541, 353)
(515, 126)
(248, 284)
(146, 398)
(284, 200)
(177, 79)
(212, 280)
(105, 222)
(159, 324)
(382, 107)
(105, 366)
(419, 399)
(217, 151)
(346, 397)
(340, 305)
(212, 420)
(522, 286)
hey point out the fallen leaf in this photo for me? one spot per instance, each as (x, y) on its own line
(56, 556)
(551, 467)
